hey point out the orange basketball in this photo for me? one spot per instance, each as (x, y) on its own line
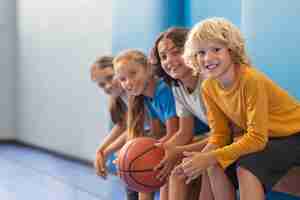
(136, 161)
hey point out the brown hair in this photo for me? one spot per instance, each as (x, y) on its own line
(136, 108)
(178, 36)
(117, 107)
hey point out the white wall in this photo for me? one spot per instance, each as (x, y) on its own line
(59, 108)
(8, 78)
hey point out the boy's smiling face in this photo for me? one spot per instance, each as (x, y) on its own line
(213, 59)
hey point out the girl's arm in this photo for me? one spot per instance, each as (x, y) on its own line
(156, 128)
(171, 128)
(115, 132)
(116, 145)
(175, 146)
(103, 150)
(197, 146)
(184, 135)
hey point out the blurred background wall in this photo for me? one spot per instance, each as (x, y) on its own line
(47, 47)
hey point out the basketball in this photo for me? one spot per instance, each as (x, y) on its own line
(136, 161)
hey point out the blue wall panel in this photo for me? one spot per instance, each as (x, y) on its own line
(272, 31)
(137, 23)
(196, 10)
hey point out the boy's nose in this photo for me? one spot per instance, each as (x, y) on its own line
(208, 56)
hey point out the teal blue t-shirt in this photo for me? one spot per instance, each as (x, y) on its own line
(162, 105)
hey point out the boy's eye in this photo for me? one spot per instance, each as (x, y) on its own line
(217, 49)
(200, 53)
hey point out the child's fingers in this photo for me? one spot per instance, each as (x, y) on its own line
(186, 160)
(159, 144)
(160, 164)
(100, 166)
(102, 174)
(188, 154)
(177, 170)
(187, 167)
(193, 175)
(97, 165)
(164, 172)
(100, 170)
(100, 163)
(191, 171)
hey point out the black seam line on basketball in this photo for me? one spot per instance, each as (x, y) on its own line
(134, 179)
(123, 163)
(125, 155)
(143, 153)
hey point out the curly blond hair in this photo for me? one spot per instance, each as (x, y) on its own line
(218, 30)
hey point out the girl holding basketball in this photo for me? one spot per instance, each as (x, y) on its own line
(102, 73)
(147, 93)
(166, 55)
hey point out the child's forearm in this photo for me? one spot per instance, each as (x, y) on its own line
(184, 134)
(171, 129)
(116, 145)
(115, 132)
(197, 146)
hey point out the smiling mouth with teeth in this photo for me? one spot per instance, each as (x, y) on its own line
(212, 66)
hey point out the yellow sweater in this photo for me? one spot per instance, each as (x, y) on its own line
(254, 103)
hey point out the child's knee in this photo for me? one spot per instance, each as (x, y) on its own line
(244, 174)
(240, 172)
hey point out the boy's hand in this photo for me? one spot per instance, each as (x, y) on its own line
(195, 163)
(178, 171)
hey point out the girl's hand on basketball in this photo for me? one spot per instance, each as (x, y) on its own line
(166, 165)
(178, 171)
(99, 164)
(195, 163)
